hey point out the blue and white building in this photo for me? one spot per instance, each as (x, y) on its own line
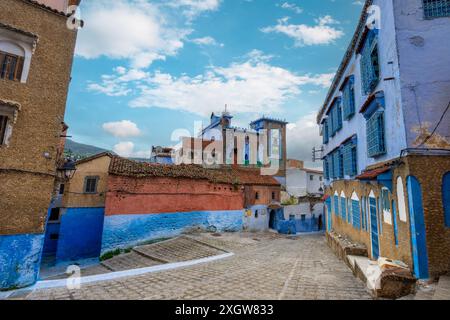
(386, 135)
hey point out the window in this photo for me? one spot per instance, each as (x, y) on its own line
(311, 178)
(326, 134)
(11, 66)
(375, 135)
(350, 157)
(370, 67)
(256, 214)
(8, 116)
(90, 184)
(303, 217)
(356, 213)
(3, 124)
(54, 215)
(292, 217)
(257, 196)
(344, 208)
(274, 196)
(61, 188)
(336, 205)
(436, 8)
(348, 97)
(320, 179)
(326, 168)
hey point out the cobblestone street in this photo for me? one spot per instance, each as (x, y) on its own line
(265, 266)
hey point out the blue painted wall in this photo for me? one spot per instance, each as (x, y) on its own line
(20, 257)
(80, 234)
(122, 231)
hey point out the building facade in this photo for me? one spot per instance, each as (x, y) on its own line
(385, 129)
(302, 182)
(36, 53)
(112, 203)
(263, 144)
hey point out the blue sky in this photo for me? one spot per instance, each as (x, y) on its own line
(144, 68)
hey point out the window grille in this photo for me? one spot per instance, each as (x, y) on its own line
(436, 8)
(376, 144)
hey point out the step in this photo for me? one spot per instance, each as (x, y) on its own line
(129, 261)
(178, 250)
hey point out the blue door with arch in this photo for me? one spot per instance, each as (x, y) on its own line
(417, 225)
(374, 227)
(446, 198)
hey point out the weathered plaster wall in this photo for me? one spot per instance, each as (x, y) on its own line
(74, 195)
(257, 222)
(425, 73)
(20, 257)
(127, 230)
(127, 195)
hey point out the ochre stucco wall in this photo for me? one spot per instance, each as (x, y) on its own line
(429, 170)
(26, 176)
(164, 195)
(74, 196)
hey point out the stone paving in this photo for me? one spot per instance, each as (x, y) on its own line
(265, 266)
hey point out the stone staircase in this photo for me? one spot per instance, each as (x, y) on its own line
(392, 284)
(180, 249)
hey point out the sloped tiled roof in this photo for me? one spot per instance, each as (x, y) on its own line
(124, 167)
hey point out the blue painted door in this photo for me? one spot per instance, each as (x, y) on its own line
(417, 224)
(329, 221)
(374, 227)
(446, 198)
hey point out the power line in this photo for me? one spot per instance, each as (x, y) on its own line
(437, 126)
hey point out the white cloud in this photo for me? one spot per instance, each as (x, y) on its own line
(253, 85)
(302, 136)
(136, 30)
(122, 129)
(127, 150)
(206, 41)
(192, 8)
(304, 35)
(292, 7)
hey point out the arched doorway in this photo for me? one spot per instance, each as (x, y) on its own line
(272, 219)
(417, 225)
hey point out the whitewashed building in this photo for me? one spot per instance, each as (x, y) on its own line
(386, 134)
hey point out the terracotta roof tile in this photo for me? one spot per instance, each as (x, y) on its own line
(372, 174)
(124, 167)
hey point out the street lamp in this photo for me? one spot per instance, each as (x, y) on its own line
(67, 170)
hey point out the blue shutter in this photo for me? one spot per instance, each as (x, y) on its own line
(356, 214)
(339, 115)
(344, 208)
(436, 8)
(325, 168)
(336, 205)
(369, 75)
(375, 135)
(348, 98)
(336, 164)
(325, 132)
(350, 158)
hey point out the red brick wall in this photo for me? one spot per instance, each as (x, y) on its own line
(128, 195)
